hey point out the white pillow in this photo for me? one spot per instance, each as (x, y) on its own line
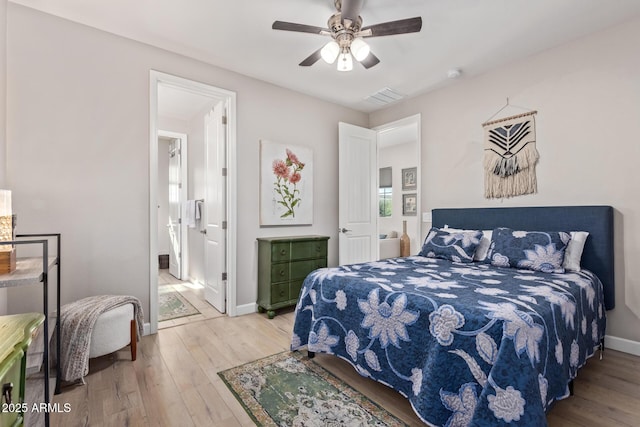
(482, 249)
(573, 252)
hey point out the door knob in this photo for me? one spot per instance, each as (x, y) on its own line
(342, 230)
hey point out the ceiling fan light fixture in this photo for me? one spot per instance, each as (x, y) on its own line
(345, 62)
(330, 52)
(359, 49)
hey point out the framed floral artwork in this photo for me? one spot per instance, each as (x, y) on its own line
(286, 184)
(410, 179)
(409, 204)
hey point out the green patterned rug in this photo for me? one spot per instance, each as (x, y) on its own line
(172, 305)
(288, 389)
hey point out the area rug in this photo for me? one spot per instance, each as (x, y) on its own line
(288, 389)
(172, 305)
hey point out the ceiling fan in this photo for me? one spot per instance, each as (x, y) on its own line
(347, 34)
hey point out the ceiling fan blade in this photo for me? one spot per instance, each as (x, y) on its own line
(311, 59)
(350, 11)
(403, 26)
(370, 61)
(300, 28)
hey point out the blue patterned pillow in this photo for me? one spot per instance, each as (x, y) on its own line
(458, 246)
(531, 250)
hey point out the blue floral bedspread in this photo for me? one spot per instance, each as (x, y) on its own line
(467, 344)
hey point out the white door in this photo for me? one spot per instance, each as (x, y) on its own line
(215, 208)
(358, 184)
(175, 235)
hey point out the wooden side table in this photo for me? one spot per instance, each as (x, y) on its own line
(16, 333)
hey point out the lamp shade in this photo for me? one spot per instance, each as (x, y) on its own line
(359, 49)
(345, 62)
(6, 231)
(5, 203)
(330, 52)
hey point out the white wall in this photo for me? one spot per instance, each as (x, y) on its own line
(78, 115)
(587, 94)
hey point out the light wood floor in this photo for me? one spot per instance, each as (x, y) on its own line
(192, 293)
(174, 382)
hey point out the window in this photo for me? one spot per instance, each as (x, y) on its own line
(385, 192)
(384, 200)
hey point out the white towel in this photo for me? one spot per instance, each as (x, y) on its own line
(190, 214)
(198, 210)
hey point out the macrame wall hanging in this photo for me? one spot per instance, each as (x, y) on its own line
(510, 155)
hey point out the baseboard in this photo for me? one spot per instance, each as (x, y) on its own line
(146, 329)
(246, 309)
(622, 344)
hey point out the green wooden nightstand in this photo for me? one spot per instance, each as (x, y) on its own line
(283, 263)
(16, 332)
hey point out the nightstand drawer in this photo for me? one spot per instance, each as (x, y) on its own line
(10, 370)
(294, 288)
(300, 269)
(309, 249)
(279, 293)
(280, 272)
(280, 251)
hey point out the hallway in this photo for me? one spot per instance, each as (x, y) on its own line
(193, 293)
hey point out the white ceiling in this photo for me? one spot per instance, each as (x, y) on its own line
(473, 35)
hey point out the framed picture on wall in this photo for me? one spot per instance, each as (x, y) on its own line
(286, 184)
(410, 179)
(409, 203)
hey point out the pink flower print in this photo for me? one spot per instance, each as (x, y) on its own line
(292, 158)
(280, 169)
(295, 178)
(288, 175)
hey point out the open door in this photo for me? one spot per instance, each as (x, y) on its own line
(175, 232)
(215, 208)
(358, 210)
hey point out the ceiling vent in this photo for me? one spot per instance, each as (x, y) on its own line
(384, 96)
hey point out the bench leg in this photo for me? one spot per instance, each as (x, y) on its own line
(134, 340)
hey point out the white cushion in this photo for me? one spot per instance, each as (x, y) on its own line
(112, 331)
(573, 252)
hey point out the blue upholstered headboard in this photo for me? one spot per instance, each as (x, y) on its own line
(597, 220)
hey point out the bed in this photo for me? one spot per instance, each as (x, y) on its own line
(469, 343)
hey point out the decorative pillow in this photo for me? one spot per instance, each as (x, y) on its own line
(573, 253)
(483, 247)
(456, 246)
(532, 250)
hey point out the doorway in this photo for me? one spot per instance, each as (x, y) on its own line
(181, 105)
(360, 226)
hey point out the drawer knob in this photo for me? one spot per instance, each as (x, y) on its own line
(281, 293)
(281, 272)
(283, 252)
(6, 392)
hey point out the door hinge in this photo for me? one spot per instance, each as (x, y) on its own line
(180, 185)
(224, 276)
(179, 220)
(224, 225)
(224, 171)
(224, 120)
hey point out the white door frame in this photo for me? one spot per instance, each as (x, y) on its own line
(184, 236)
(229, 97)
